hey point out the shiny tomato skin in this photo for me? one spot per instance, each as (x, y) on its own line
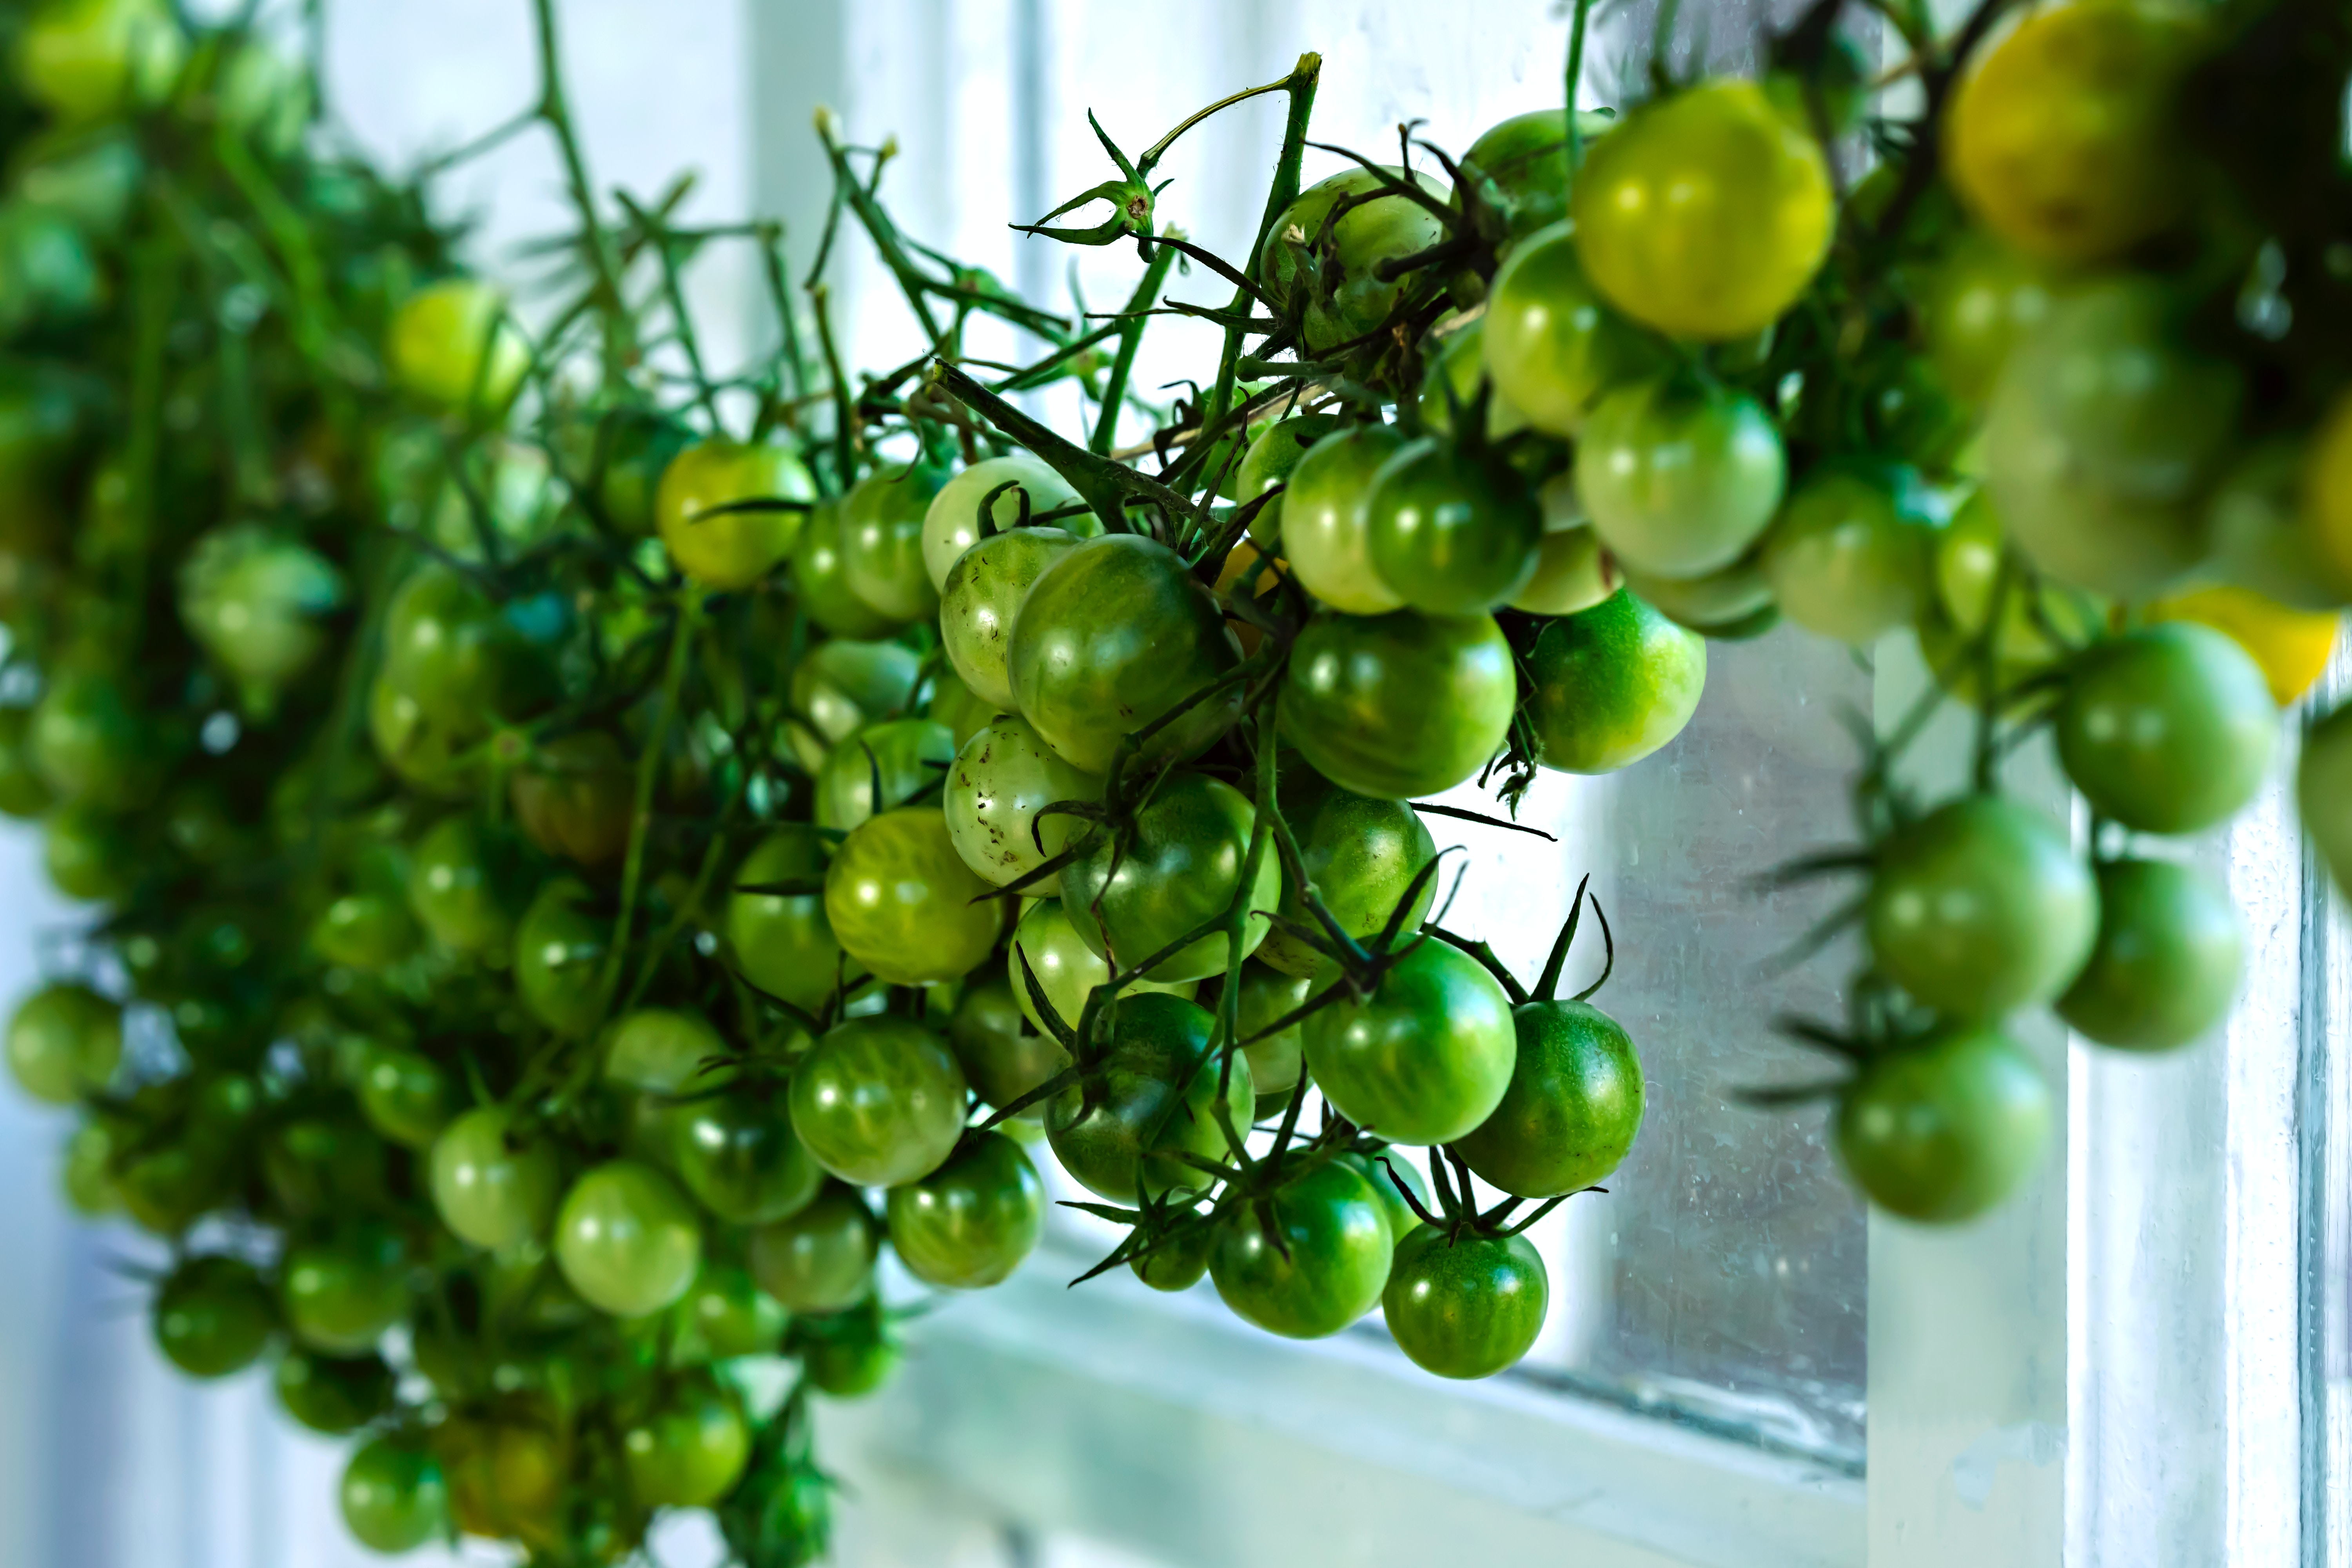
(1612, 685)
(820, 1259)
(628, 1239)
(453, 346)
(1401, 705)
(1331, 276)
(2170, 951)
(1466, 1307)
(342, 1293)
(1003, 1056)
(452, 889)
(1425, 1057)
(1523, 160)
(841, 686)
(393, 1497)
(1005, 775)
(1942, 1131)
(1573, 1108)
(404, 1095)
(1553, 344)
(1326, 534)
(982, 600)
(878, 1101)
(1847, 560)
(212, 1316)
(882, 540)
(908, 758)
(690, 1450)
(1268, 996)
(969, 1223)
(64, 1043)
(738, 1154)
(951, 519)
(1047, 945)
(491, 1186)
(1273, 455)
(2169, 729)
(559, 953)
(1450, 535)
(731, 549)
(1155, 1098)
(1180, 868)
(781, 941)
(463, 661)
(900, 900)
(1679, 482)
(1360, 854)
(1331, 1266)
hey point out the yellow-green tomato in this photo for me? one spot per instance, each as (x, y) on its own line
(820, 573)
(881, 766)
(1551, 345)
(728, 513)
(452, 345)
(981, 599)
(1327, 268)
(951, 523)
(493, 1185)
(1048, 946)
(1679, 480)
(1573, 574)
(1612, 685)
(1846, 561)
(86, 60)
(65, 1042)
(628, 1239)
(901, 899)
(1003, 778)
(1452, 380)
(1273, 456)
(691, 1449)
(1327, 523)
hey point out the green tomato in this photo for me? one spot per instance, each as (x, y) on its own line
(88, 854)
(1944, 1129)
(212, 1316)
(1731, 604)
(901, 901)
(467, 665)
(1328, 269)
(957, 706)
(426, 755)
(1326, 519)
(1003, 1056)
(739, 1156)
(1266, 996)
(342, 1293)
(1612, 685)
(1678, 481)
(1273, 456)
(1361, 855)
(65, 1042)
(781, 940)
(849, 1367)
(1551, 345)
(1047, 944)
(1466, 1305)
(1451, 380)
(1846, 561)
(628, 1239)
(1522, 163)
(2103, 437)
(820, 1259)
(664, 1051)
(878, 1100)
(1112, 637)
(981, 599)
(2262, 535)
(691, 1449)
(951, 522)
(728, 513)
(165, 1190)
(619, 455)
(1152, 1099)
(882, 766)
(969, 1223)
(491, 1188)
(22, 792)
(1180, 1261)
(333, 1394)
(1983, 300)
(1329, 1267)
(820, 572)
(1382, 1172)
(1426, 1057)
(2166, 968)
(393, 1497)
(254, 599)
(726, 1314)
(1968, 577)
(882, 554)
(88, 60)
(1003, 778)
(367, 932)
(559, 952)
(1573, 1110)
(1401, 705)
(575, 797)
(1448, 534)
(1980, 907)
(2169, 729)
(839, 688)
(90, 744)
(322, 1164)
(406, 1095)
(1180, 868)
(452, 891)
(453, 346)
(1572, 574)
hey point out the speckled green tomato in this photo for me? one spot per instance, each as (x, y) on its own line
(1679, 480)
(22, 792)
(951, 522)
(725, 1314)
(781, 941)
(900, 899)
(575, 796)
(2102, 438)
(212, 1316)
(89, 744)
(691, 1448)
(738, 1154)
(2169, 729)
(1381, 1172)
(1154, 1100)
(64, 1042)
(1112, 637)
(1272, 458)
(1980, 907)
(1612, 685)
(820, 1259)
(451, 890)
(878, 1100)
(1449, 535)
(1401, 705)
(909, 756)
(1180, 867)
(1847, 561)
(1705, 212)
(558, 956)
(628, 1239)
(1178, 1262)
(1551, 345)
(450, 650)
(1424, 1059)
(1333, 278)
(404, 1095)
(342, 1293)
(968, 1224)
(2166, 967)
(1327, 523)
(820, 572)
(1573, 1107)
(981, 599)
(1003, 1056)
(1047, 945)
(1003, 776)
(1268, 996)
(1523, 159)
(1944, 1129)
(87, 60)
(882, 540)
(333, 1394)
(1466, 1306)
(1360, 854)
(1329, 1268)
(729, 549)
(393, 1497)
(491, 1186)
(2324, 791)
(451, 344)
(86, 853)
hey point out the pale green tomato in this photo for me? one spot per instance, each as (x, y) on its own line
(1326, 526)
(1846, 562)
(982, 594)
(491, 1188)
(726, 548)
(1068, 970)
(1003, 776)
(902, 903)
(1679, 482)
(881, 766)
(1551, 344)
(628, 1239)
(1573, 574)
(453, 345)
(951, 524)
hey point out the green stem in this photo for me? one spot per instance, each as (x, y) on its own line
(620, 329)
(1131, 338)
(1574, 148)
(633, 868)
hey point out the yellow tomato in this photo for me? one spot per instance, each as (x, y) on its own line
(2061, 136)
(1237, 566)
(2292, 646)
(1706, 214)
